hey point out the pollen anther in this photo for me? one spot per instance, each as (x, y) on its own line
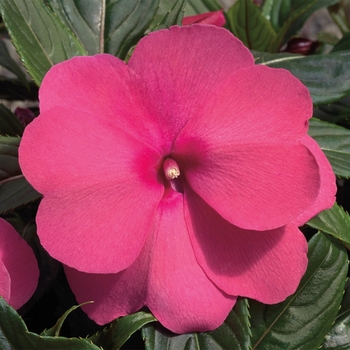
(171, 169)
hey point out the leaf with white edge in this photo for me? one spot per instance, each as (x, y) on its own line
(172, 17)
(14, 335)
(234, 333)
(303, 319)
(14, 188)
(56, 329)
(38, 35)
(9, 123)
(196, 7)
(248, 24)
(121, 330)
(8, 62)
(334, 221)
(326, 76)
(338, 338)
(334, 141)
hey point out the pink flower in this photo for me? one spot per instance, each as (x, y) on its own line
(176, 181)
(19, 271)
(216, 18)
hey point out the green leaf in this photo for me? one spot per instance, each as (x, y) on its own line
(9, 123)
(56, 329)
(339, 15)
(38, 35)
(121, 330)
(343, 44)
(172, 17)
(248, 24)
(195, 7)
(158, 338)
(164, 8)
(334, 221)
(9, 157)
(281, 16)
(125, 24)
(334, 112)
(106, 25)
(338, 338)
(12, 89)
(170, 12)
(83, 18)
(345, 304)
(287, 16)
(304, 9)
(233, 334)
(326, 76)
(266, 8)
(7, 62)
(303, 319)
(335, 143)
(14, 188)
(14, 335)
(16, 191)
(273, 10)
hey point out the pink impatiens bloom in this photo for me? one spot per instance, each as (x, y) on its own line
(176, 181)
(216, 18)
(19, 272)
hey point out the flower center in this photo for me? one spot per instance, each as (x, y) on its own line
(171, 169)
(173, 177)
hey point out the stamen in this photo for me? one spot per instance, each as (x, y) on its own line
(171, 169)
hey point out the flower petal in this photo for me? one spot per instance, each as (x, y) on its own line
(5, 282)
(255, 187)
(245, 143)
(266, 266)
(104, 234)
(178, 68)
(113, 295)
(257, 104)
(80, 151)
(88, 82)
(98, 85)
(20, 262)
(180, 295)
(96, 180)
(328, 188)
(166, 277)
(216, 18)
